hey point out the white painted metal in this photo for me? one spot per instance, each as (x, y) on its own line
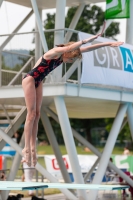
(124, 123)
(129, 28)
(70, 71)
(14, 168)
(79, 74)
(52, 139)
(109, 147)
(20, 33)
(80, 100)
(39, 24)
(18, 120)
(59, 21)
(20, 71)
(9, 120)
(59, 35)
(70, 90)
(74, 21)
(130, 118)
(52, 179)
(38, 166)
(87, 176)
(96, 152)
(69, 142)
(16, 30)
(92, 148)
(38, 44)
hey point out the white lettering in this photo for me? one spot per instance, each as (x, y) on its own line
(104, 57)
(112, 4)
(128, 61)
(123, 4)
(114, 57)
(118, 162)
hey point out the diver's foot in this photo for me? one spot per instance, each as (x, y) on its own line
(26, 156)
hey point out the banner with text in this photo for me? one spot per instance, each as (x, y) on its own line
(108, 65)
(85, 162)
(52, 166)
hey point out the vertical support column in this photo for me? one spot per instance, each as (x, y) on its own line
(39, 24)
(129, 28)
(108, 148)
(59, 21)
(69, 141)
(59, 35)
(38, 44)
(130, 118)
(55, 146)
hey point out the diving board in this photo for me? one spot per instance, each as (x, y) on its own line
(11, 185)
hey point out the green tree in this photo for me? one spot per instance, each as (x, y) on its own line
(124, 134)
(91, 20)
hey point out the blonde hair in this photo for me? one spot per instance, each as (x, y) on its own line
(72, 54)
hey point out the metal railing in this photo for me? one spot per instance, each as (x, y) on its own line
(8, 76)
(69, 74)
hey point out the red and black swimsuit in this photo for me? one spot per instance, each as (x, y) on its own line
(43, 69)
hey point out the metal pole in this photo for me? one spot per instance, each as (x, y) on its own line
(91, 170)
(41, 169)
(55, 146)
(39, 24)
(52, 179)
(129, 28)
(69, 141)
(20, 72)
(108, 148)
(59, 35)
(42, 189)
(92, 148)
(16, 29)
(96, 152)
(36, 181)
(74, 21)
(38, 44)
(70, 71)
(130, 118)
(14, 168)
(19, 119)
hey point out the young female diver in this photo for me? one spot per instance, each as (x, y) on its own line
(32, 86)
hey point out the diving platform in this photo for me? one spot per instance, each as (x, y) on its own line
(80, 100)
(11, 185)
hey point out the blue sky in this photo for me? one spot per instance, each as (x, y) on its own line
(9, 20)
